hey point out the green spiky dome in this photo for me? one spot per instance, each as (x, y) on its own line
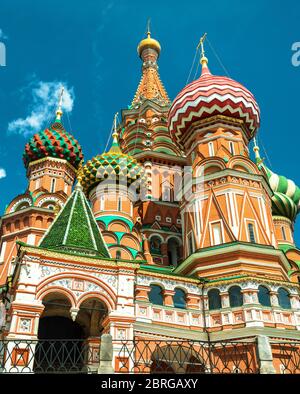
(55, 142)
(113, 164)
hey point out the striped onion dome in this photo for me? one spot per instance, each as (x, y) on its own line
(282, 205)
(286, 199)
(212, 95)
(55, 142)
(113, 164)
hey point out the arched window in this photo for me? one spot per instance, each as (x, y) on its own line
(118, 254)
(214, 299)
(155, 295)
(155, 245)
(264, 296)
(173, 251)
(179, 299)
(235, 296)
(251, 233)
(284, 298)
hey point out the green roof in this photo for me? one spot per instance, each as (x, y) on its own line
(75, 229)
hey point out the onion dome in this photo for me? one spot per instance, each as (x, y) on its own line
(282, 205)
(55, 142)
(113, 165)
(149, 43)
(286, 198)
(212, 95)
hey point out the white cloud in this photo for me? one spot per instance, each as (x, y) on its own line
(2, 35)
(45, 96)
(2, 173)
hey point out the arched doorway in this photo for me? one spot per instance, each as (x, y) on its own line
(69, 337)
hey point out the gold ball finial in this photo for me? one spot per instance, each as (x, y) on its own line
(148, 42)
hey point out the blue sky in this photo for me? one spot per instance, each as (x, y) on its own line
(90, 46)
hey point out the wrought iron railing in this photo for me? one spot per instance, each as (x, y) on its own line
(46, 356)
(161, 356)
(286, 356)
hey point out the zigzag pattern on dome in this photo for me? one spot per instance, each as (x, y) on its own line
(211, 95)
(55, 142)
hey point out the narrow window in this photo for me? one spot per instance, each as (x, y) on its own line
(251, 233)
(119, 203)
(231, 148)
(217, 234)
(211, 149)
(53, 182)
(283, 233)
(37, 183)
(191, 245)
(118, 254)
(102, 203)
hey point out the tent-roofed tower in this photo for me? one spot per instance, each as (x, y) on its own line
(143, 126)
(75, 229)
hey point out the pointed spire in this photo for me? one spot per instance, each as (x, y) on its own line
(75, 229)
(59, 111)
(115, 147)
(203, 58)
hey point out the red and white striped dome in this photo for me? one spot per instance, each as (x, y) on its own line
(212, 95)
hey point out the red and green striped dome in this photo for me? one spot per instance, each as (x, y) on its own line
(55, 142)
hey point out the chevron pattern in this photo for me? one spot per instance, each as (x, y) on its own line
(212, 95)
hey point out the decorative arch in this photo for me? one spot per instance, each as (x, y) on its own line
(125, 253)
(18, 204)
(45, 286)
(100, 297)
(40, 295)
(128, 240)
(240, 161)
(118, 226)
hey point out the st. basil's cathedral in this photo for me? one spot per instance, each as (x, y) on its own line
(115, 245)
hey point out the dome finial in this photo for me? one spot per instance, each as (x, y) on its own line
(148, 28)
(59, 111)
(148, 43)
(115, 133)
(203, 58)
(258, 159)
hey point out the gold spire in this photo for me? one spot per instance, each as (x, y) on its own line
(203, 59)
(79, 174)
(59, 108)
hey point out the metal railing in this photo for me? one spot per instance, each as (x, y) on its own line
(45, 356)
(187, 356)
(286, 355)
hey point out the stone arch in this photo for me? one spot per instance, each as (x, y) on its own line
(43, 292)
